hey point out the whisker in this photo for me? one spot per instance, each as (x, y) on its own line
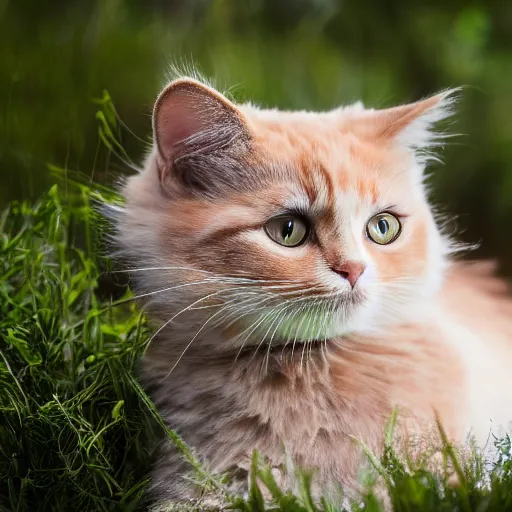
(305, 344)
(182, 311)
(282, 309)
(297, 331)
(190, 342)
(266, 333)
(145, 269)
(224, 306)
(288, 304)
(312, 340)
(208, 280)
(155, 292)
(251, 329)
(267, 355)
(236, 311)
(250, 306)
(295, 313)
(276, 296)
(264, 300)
(221, 276)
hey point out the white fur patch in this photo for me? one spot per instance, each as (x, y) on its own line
(420, 135)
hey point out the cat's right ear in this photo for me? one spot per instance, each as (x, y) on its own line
(191, 120)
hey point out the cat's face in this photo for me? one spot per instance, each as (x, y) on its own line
(286, 226)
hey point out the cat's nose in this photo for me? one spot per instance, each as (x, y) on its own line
(350, 270)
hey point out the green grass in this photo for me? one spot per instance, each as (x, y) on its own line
(76, 429)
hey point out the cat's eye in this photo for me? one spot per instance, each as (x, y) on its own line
(383, 228)
(289, 230)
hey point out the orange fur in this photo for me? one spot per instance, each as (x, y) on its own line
(412, 333)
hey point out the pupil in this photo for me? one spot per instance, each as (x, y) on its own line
(383, 226)
(287, 229)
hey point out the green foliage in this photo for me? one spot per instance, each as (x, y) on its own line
(409, 486)
(74, 432)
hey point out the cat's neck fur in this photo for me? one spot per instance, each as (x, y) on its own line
(225, 404)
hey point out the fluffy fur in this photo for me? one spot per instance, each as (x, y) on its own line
(261, 346)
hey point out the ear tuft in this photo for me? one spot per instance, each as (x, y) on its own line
(413, 126)
(416, 128)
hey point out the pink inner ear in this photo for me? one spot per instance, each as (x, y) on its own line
(187, 108)
(176, 118)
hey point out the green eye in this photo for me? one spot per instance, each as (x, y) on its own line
(383, 229)
(288, 231)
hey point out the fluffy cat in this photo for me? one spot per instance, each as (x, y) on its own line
(302, 289)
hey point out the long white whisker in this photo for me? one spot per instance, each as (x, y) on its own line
(191, 341)
(287, 305)
(299, 325)
(252, 328)
(295, 313)
(310, 316)
(161, 290)
(236, 311)
(265, 316)
(273, 296)
(315, 338)
(224, 306)
(146, 269)
(208, 280)
(216, 275)
(183, 310)
(267, 355)
(276, 318)
(327, 318)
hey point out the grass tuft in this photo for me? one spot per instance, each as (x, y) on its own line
(75, 433)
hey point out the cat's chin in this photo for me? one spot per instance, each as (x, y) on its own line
(276, 328)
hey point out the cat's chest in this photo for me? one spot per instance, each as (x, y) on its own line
(351, 393)
(488, 382)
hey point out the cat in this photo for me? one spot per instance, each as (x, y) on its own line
(302, 290)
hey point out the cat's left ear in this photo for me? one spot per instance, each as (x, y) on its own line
(412, 125)
(191, 122)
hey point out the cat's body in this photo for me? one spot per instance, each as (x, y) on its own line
(296, 350)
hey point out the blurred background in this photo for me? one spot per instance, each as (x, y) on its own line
(58, 57)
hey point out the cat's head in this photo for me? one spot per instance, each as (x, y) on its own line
(284, 225)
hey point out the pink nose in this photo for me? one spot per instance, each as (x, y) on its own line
(350, 270)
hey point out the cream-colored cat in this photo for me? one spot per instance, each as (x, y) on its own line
(303, 290)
